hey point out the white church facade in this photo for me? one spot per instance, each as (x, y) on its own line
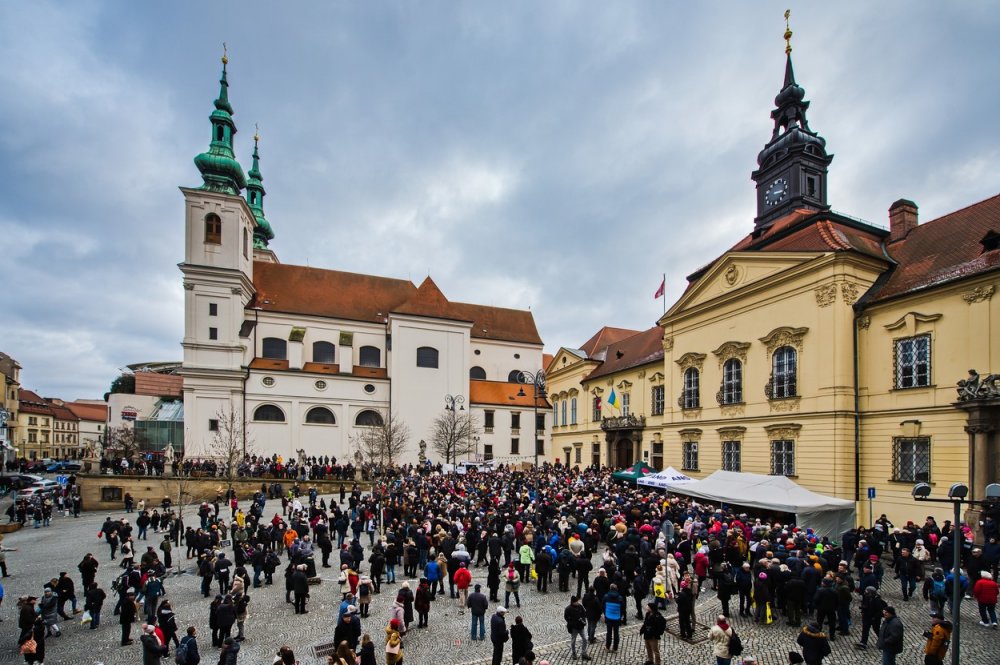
(308, 357)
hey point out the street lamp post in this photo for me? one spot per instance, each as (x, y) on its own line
(453, 403)
(957, 495)
(537, 381)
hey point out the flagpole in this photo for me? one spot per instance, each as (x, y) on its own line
(664, 293)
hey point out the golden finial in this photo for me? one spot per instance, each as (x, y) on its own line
(256, 133)
(788, 33)
(225, 54)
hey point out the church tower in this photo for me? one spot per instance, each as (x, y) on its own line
(262, 235)
(218, 280)
(791, 169)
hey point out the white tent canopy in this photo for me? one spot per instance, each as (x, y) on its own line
(668, 477)
(826, 515)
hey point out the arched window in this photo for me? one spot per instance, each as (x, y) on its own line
(732, 382)
(564, 412)
(368, 418)
(477, 373)
(269, 413)
(213, 229)
(427, 356)
(246, 244)
(324, 352)
(370, 356)
(515, 376)
(274, 348)
(220, 133)
(572, 412)
(783, 373)
(320, 415)
(691, 399)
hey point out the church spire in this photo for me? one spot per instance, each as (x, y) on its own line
(218, 166)
(792, 167)
(263, 234)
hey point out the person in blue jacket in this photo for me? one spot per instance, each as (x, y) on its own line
(614, 608)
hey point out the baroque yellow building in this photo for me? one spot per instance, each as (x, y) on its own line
(819, 347)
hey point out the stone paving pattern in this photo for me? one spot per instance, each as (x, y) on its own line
(43, 553)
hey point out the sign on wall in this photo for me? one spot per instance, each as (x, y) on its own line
(129, 413)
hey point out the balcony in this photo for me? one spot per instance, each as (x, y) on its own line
(628, 422)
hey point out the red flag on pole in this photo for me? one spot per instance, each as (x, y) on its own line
(660, 291)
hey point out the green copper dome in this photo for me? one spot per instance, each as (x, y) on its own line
(263, 234)
(218, 166)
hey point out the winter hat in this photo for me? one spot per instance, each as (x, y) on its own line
(501, 610)
(986, 575)
(763, 576)
(149, 630)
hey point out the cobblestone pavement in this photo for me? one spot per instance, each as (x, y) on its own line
(43, 553)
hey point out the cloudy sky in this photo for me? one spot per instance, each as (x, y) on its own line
(560, 156)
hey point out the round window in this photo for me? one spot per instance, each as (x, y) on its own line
(477, 352)
(268, 381)
(517, 356)
(369, 388)
(321, 385)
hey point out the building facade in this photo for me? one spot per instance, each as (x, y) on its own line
(34, 426)
(10, 381)
(308, 357)
(818, 346)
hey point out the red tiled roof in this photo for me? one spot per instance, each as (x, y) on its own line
(639, 349)
(605, 336)
(355, 297)
(370, 372)
(63, 413)
(502, 393)
(943, 250)
(91, 412)
(159, 385)
(321, 368)
(268, 363)
(547, 359)
(32, 402)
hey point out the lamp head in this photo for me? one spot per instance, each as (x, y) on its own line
(993, 492)
(958, 491)
(520, 391)
(921, 491)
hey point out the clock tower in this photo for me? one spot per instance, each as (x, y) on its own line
(791, 169)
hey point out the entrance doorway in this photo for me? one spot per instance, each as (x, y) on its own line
(623, 453)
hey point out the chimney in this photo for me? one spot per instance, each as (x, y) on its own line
(902, 219)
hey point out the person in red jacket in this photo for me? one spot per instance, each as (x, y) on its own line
(985, 592)
(463, 578)
(701, 565)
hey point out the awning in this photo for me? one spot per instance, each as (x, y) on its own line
(826, 515)
(669, 476)
(633, 473)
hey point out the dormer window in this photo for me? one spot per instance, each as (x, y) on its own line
(990, 241)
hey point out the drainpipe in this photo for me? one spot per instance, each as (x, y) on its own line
(857, 411)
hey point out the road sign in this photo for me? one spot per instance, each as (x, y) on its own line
(871, 492)
(62, 480)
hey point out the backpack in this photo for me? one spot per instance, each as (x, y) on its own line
(181, 652)
(938, 590)
(735, 644)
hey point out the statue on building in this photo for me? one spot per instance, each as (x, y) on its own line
(422, 456)
(978, 388)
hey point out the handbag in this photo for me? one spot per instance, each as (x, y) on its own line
(392, 648)
(29, 646)
(86, 618)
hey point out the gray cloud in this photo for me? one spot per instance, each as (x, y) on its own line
(559, 156)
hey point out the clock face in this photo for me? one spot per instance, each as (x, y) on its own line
(777, 192)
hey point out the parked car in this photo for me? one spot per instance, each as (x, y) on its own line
(17, 481)
(34, 491)
(57, 467)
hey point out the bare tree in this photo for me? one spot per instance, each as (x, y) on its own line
(122, 441)
(382, 443)
(231, 444)
(452, 434)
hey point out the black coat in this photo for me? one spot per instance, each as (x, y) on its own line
(815, 646)
(498, 630)
(520, 641)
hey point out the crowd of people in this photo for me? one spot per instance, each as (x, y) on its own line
(616, 553)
